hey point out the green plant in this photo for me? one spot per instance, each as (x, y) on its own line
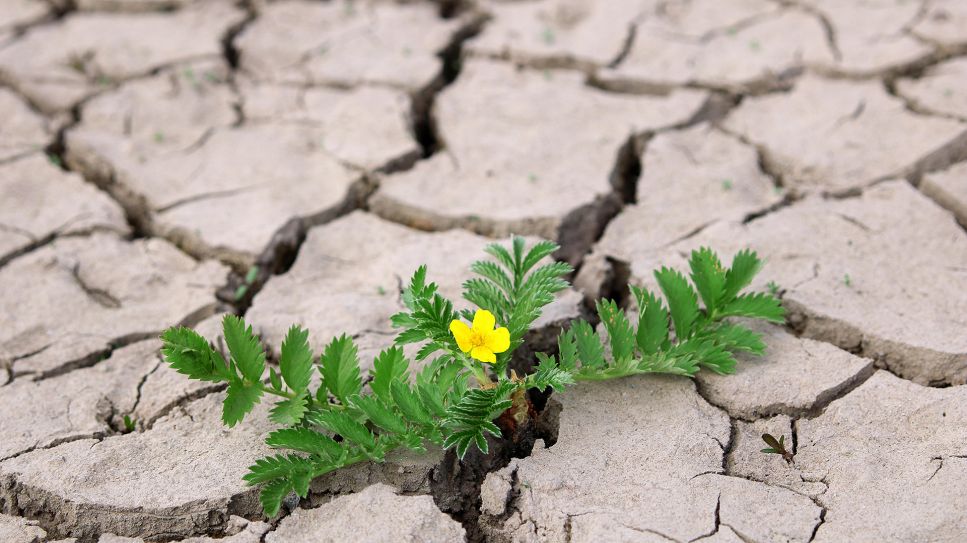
(777, 446)
(465, 382)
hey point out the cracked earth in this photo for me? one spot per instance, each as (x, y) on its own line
(167, 162)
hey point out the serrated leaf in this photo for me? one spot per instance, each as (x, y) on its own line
(589, 347)
(540, 250)
(567, 350)
(549, 374)
(494, 273)
(305, 440)
(344, 425)
(290, 411)
(745, 265)
(707, 354)
(415, 288)
(295, 362)
(272, 494)
(620, 334)
(461, 441)
(500, 253)
(409, 403)
(340, 368)
(708, 276)
(735, 337)
(190, 354)
(380, 415)
(300, 483)
(244, 346)
(239, 401)
(682, 300)
(758, 305)
(275, 380)
(388, 366)
(273, 467)
(652, 322)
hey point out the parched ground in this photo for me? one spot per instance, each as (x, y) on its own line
(165, 162)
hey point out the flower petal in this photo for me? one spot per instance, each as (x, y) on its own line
(484, 321)
(498, 341)
(483, 354)
(461, 332)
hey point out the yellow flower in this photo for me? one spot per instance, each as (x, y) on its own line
(482, 341)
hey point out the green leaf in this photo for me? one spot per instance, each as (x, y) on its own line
(390, 365)
(549, 374)
(274, 467)
(340, 368)
(463, 439)
(272, 494)
(295, 362)
(305, 440)
(568, 349)
(239, 401)
(590, 349)
(190, 354)
(289, 412)
(735, 337)
(415, 288)
(275, 380)
(540, 250)
(409, 403)
(707, 354)
(620, 334)
(300, 482)
(682, 300)
(708, 276)
(381, 415)
(247, 352)
(758, 305)
(500, 253)
(495, 274)
(344, 425)
(652, 322)
(745, 265)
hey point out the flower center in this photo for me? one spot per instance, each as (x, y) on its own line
(477, 338)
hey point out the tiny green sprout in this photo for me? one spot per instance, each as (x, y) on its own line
(947, 93)
(380, 290)
(252, 275)
(407, 51)
(240, 292)
(189, 74)
(773, 288)
(755, 45)
(777, 446)
(55, 160)
(548, 36)
(532, 177)
(159, 137)
(548, 74)
(458, 386)
(103, 80)
(732, 31)
(211, 77)
(847, 280)
(727, 184)
(129, 423)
